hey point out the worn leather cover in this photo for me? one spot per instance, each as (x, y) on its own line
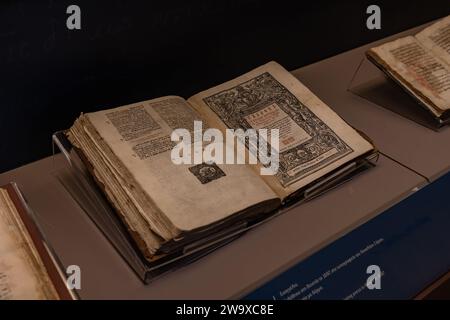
(53, 270)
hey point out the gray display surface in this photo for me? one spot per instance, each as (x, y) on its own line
(264, 252)
(423, 150)
(226, 273)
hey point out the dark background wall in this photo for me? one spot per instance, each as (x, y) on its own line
(129, 51)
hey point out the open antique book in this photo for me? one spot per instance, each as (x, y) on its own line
(28, 269)
(168, 207)
(421, 65)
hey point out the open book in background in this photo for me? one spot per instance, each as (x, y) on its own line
(421, 66)
(28, 268)
(170, 210)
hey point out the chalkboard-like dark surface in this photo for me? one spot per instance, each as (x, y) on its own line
(129, 51)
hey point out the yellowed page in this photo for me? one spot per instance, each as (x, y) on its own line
(314, 140)
(437, 38)
(22, 275)
(139, 135)
(417, 68)
(145, 227)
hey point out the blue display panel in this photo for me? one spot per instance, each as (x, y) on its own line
(410, 242)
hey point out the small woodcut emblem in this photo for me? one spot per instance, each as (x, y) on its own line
(206, 173)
